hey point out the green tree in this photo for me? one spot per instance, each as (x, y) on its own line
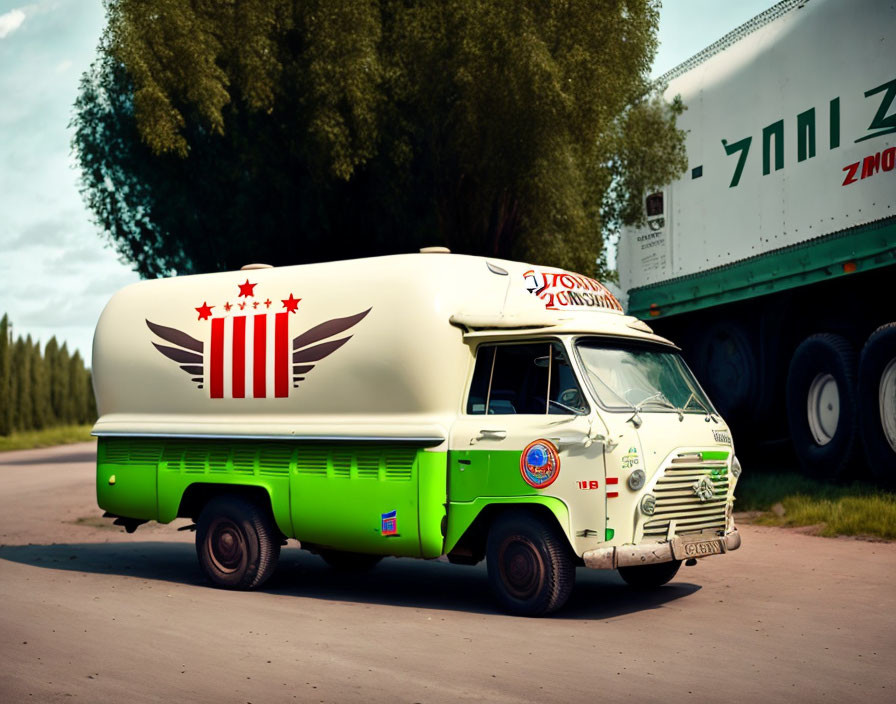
(42, 409)
(23, 394)
(77, 383)
(213, 134)
(6, 388)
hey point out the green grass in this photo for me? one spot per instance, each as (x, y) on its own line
(60, 435)
(793, 500)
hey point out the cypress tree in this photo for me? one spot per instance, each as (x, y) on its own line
(77, 380)
(40, 386)
(23, 398)
(50, 359)
(6, 397)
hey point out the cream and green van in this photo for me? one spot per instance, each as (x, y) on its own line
(419, 405)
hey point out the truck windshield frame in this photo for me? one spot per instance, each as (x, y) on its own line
(626, 375)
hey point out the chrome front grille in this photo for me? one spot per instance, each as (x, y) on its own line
(677, 498)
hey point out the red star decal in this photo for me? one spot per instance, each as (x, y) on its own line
(246, 289)
(255, 304)
(242, 305)
(205, 311)
(267, 303)
(227, 306)
(291, 304)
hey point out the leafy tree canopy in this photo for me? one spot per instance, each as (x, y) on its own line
(211, 134)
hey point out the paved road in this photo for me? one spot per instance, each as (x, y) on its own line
(89, 613)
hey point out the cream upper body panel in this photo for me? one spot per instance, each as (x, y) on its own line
(378, 347)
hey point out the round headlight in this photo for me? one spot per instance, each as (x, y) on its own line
(735, 467)
(648, 504)
(636, 479)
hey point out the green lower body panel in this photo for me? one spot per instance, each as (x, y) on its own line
(375, 498)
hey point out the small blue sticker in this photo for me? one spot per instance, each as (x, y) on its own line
(390, 523)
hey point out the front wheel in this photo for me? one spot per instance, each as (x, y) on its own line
(530, 565)
(236, 542)
(649, 576)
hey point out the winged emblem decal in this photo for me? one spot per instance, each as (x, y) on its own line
(251, 355)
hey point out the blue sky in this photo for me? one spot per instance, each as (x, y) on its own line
(56, 270)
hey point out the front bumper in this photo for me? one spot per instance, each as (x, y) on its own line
(650, 553)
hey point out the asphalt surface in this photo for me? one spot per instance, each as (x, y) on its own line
(90, 613)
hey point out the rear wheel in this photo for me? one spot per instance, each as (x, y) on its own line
(236, 542)
(530, 565)
(877, 401)
(350, 561)
(649, 576)
(821, 405)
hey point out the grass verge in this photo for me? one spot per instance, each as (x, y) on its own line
(793, 500)
(60, 435)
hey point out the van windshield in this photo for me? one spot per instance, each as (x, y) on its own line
(623, 376)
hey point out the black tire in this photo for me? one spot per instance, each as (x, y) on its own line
(649, 576)
(530, 565)
(237, 543)
(350, 561)
(878, 355)
(818, 356)
(727, 367)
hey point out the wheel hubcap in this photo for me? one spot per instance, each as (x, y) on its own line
(522, 570)
(823, 408)
(226, 546)
(887, 401)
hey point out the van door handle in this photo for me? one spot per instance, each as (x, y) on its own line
(493, 434)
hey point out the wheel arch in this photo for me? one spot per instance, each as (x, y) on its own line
(197, 494)
(469, 523)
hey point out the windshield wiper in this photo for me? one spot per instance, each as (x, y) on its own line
(693, 397)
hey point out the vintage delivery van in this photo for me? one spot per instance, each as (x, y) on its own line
(415, 405)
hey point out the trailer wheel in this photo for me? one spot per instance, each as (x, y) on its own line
(350, 561)
(821, 404)
(236, 542)
(877, 401)
(530, 566)
(649, 576)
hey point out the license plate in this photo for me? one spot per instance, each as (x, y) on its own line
(686, 549)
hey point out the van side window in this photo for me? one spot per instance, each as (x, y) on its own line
(513, 379)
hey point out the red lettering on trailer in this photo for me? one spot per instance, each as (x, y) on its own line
(851, 176)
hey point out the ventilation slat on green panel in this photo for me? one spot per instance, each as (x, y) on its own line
(275, 459)
(341, 462)
(368, 463)
(217, 459)
(311, 460)
(195, 459)
(243, 459)
(116, 451)
(399, 463)
(146, 452)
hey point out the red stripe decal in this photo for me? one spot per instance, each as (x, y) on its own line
(258, 362)
(612, 480)
(281, 356)
(612, 494)
(239, 356)
(216, 371)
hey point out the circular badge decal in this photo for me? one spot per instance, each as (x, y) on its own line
(539, 464)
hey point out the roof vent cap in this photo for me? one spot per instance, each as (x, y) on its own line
(435, 250)
(250, 267)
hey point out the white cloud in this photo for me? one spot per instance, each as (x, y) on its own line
(11, 21)
(63, 66)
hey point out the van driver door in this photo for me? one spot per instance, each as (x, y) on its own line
(526, 432)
